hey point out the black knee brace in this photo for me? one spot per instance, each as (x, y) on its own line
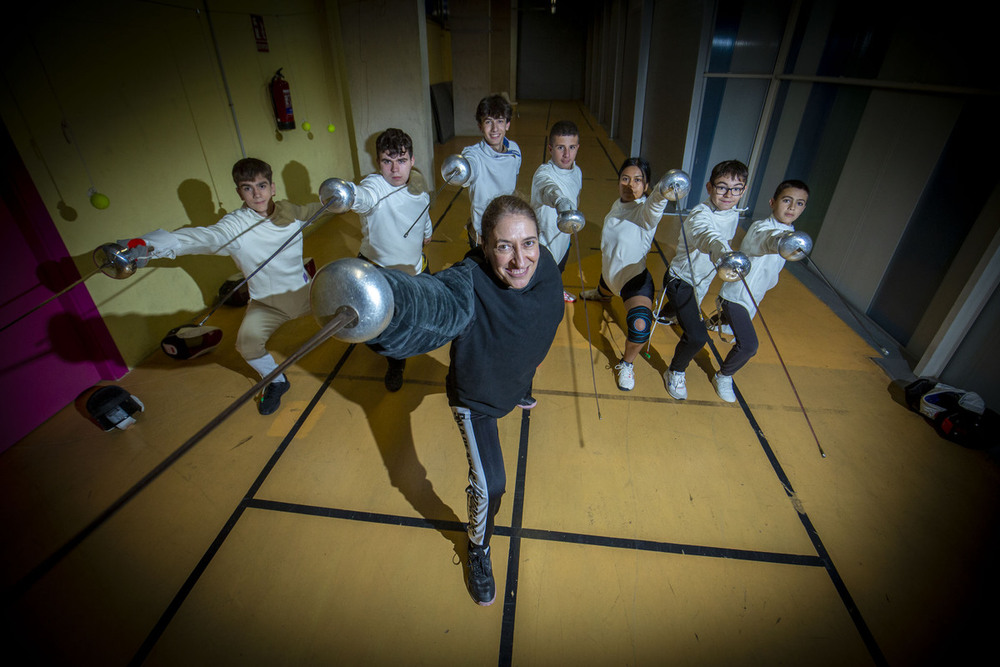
(643, 313)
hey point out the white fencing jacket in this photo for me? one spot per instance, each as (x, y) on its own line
(549, 184)
(761, 246)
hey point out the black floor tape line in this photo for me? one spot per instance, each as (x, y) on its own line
(838, 583)
(43, 568)
(516, 532)
(171, 610)
(514, 553)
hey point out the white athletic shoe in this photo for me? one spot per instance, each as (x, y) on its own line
(724, 387)
(666, 318)
(626, 376)
(594, 295)
(568, 298)
(676, 384)
(713, 324)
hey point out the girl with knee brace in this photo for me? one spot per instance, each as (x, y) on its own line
(625, 241)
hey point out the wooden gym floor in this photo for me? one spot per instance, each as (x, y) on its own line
(665, 532)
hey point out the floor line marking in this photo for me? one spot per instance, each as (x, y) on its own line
(505, 657)
(838, 583)
(168, 614)
(852, 609)
(540, 534)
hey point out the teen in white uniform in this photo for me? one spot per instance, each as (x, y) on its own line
(250, 235)
(761, 245)
(625, 241)
(556, 186)
(705, 237)
(395, 219)
(495, 161)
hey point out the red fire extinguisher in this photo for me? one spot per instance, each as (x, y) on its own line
(281, 100)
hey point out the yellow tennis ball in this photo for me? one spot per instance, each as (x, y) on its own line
(330, 128)
(307, 126)
(97, 200)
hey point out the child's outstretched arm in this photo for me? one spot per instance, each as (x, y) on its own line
(703, 235)
(760, 240)
(222, 238)
(655, 204)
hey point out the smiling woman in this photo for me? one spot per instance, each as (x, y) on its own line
(500, 308)
(510, 231)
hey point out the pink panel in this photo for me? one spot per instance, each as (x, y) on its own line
(50, 356)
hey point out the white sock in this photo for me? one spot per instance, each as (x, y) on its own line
(265, 365)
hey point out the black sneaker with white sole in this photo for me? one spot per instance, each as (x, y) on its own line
(270, 400)
(480, 582)
(527, 402)
(667, 315)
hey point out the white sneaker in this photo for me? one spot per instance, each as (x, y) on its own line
(626, 376)
(676, 384)
(724, 387)
(666, 318)
(723, 329)
(568, 298)
(594, 295)
(713, 324)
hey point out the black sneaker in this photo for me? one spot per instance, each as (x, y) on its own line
(480, 578)
(667, 315)
(527, 402)
(394, 378)
(271, 398)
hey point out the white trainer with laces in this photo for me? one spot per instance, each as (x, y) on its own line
(626, 376)
(676, 384)
(724, 387)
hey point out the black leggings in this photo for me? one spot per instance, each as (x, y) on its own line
(562, 262)
(681, 297)
(746, 337)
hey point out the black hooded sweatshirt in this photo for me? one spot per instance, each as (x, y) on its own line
(499, 334)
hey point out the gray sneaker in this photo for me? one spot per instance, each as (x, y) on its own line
(626, 376)
(594, 295)
(676, 384)
(724, 387)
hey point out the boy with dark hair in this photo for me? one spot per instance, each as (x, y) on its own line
(395, 223)
(280, 290)
(704, 239)
(736, 305)
(555, 187)
(495, 161)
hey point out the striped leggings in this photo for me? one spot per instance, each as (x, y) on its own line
(487, 478)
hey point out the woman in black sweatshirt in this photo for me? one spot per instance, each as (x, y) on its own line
(500, 308)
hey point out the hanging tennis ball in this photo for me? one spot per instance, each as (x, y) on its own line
(330, 128)
(99, 201)
(307, 126)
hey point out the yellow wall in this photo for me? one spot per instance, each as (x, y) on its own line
(131, 92)
(438, 53)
